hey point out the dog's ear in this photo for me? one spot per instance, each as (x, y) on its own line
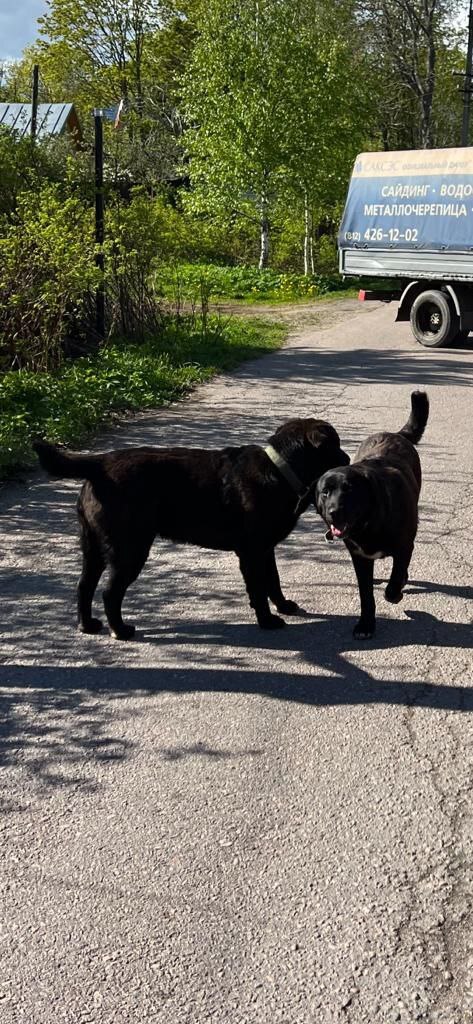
(316, 433)
(319, 433)
(325, 439)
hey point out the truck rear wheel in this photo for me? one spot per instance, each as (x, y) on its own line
(434, 321)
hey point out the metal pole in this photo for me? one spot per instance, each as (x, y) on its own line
(34, 101)
(99, 224)
(468, 82)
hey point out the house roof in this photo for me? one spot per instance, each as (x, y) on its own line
(52, 118)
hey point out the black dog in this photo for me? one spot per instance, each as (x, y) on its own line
(244, 499)
(372, 506)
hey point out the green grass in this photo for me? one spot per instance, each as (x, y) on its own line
(69, 405)
(190, 282)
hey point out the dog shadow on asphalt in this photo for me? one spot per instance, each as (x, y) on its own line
(61, 724)
(61, 693)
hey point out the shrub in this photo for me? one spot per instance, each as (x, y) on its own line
(46, 271)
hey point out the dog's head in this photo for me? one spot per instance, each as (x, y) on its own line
(310, 447)
(344, 499)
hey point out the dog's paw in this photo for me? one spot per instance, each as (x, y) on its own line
(272, 622)
(126, 632)
(93, 626)
(392, 595)
(364, 630)
(289, 608)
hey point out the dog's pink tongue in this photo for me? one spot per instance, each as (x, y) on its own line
(335, 531)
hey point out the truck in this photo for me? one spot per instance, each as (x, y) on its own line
(408, 220)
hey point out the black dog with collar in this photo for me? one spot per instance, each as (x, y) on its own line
(372, 506)
(235, 499)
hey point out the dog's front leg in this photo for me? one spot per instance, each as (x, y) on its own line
(399, 575)
(366, 626)
(254, 571)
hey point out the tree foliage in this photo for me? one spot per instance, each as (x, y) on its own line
(242, 117)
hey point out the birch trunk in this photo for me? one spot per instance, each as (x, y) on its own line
(264, 235)
(308, 258)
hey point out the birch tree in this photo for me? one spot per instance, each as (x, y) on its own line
(329, 110)
(234, 105)
(274, 97)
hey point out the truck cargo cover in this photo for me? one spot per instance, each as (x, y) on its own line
(417, 199)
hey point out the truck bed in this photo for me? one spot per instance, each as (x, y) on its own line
(441, 265)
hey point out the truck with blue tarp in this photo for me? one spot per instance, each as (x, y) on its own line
(409, 216)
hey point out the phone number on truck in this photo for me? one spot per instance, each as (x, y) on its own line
(378, 235)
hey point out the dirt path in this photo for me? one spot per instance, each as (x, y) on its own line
(321, 314)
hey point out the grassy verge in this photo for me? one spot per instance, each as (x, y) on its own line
(195, 283)
(192, 282)
(70, 404)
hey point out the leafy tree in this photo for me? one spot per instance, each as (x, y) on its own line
(404, 38)
(327, 112)
(96, 54)
(275, 109)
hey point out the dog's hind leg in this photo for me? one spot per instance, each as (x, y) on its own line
(366, 626)
(122, 575)
(275, 593)
(254, 571)
(399, 575)
(93, 565)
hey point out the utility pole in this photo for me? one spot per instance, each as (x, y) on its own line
(99, 224)
(34, 101)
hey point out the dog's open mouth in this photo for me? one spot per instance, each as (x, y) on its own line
(337, 531)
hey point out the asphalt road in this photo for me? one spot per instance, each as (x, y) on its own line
(214, 823)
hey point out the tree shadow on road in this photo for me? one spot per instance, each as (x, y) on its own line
(421, 368)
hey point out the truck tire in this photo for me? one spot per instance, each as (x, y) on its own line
(434, 322)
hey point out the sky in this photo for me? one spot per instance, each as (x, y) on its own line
(18, 25)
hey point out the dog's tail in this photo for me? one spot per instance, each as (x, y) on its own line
(417, 422)
(59, 462)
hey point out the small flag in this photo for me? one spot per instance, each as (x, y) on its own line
(117, 116)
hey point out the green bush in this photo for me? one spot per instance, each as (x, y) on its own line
(70, 403)
(46, 271)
